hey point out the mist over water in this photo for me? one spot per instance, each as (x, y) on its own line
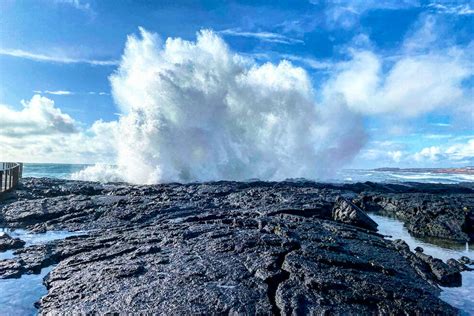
(196, 111)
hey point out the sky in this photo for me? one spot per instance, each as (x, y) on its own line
(401, 72)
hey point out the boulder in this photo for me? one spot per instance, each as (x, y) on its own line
(446, 274)
(347, 212)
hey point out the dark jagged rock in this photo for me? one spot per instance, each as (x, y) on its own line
(8, 243)
(418, 249)
(346, 212)
(458, 265)
(219, 248)
(466, 260)
(10, 268)
(446, 275)
(432, 269)
(443, 215)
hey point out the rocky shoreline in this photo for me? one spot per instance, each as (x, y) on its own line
(229, 247)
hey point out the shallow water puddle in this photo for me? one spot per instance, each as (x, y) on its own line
(18, 295)
(460, 297)
(37, 238)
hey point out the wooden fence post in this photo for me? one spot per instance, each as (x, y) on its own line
(10, 175)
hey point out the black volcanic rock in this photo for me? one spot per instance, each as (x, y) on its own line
(443, 215)
(466, 260)
(346, 212)
(11, 268)
(8, 243)
(432, 269)
(220, 248)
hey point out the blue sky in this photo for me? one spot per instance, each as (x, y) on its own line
(66, 50)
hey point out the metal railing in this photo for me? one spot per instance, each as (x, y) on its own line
(10, 175)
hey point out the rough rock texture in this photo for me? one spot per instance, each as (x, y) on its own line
(7, 242)
(346, 212)
(466, 260)
(221, 247)
(432, 269)
(448, 216)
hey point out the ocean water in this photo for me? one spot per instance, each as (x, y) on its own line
(361, 175)
(64, 171)
(50, 170)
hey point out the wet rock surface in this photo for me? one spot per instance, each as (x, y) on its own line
(223, 247)
(434, 270)
(346, 212)
(8, 243)
(447, 216)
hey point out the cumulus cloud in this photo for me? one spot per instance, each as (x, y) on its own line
(431, 153)
(459, 152)
(198, 111)
(396, 155)
(428, 73)
(413, 85)
(38, 116)
(40, 132)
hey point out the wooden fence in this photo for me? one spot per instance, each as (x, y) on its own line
(10, 175)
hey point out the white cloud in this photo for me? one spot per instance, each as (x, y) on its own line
(423, 37)
(98, 93)
(39, 116)
(54, 92)
(381, 153)
(461, 151)
(447, 153)
(346, 13)
(41, 132)
(309, 62)
(77, 4)
(367, 5)
(461, 9)
(18, 53)
(67, 92)
(263, 36)
(437, 136)
(413, 85)
(428, 153)
(395, 155)
(59, 92)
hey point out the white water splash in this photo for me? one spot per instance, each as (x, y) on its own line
(196, 111)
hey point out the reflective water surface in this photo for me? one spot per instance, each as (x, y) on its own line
(460, 297)
(17, 296)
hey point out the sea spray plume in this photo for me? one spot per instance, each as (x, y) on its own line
(196, 111)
